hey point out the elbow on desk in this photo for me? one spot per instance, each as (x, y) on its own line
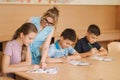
(4, 71)
(29, 63)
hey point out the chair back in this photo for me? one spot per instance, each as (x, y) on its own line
(114, 47)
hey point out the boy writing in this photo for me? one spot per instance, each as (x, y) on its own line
(59, 51)
(88, 45)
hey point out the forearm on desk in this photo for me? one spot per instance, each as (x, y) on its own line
(102, 52)
(11, 69)
(85, 54)
(21, 64)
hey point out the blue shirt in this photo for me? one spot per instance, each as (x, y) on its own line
(56, 52)
(39, 40)
(83, 45)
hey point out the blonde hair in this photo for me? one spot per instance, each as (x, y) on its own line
(53, 13)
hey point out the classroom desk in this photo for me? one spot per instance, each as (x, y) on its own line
(98, 70)
(6, 78)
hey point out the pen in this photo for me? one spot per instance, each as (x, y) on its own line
(66, 54)
(90, 45)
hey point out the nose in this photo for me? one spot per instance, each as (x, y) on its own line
(67, 46)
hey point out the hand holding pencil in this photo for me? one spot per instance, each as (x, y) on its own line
(93, 50)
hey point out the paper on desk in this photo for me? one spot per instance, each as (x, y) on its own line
(52, 70)
(100, 58)
(79, 63)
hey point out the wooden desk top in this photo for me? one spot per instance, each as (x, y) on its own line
(98, 70)
(6, 78)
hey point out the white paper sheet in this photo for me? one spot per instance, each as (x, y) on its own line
(79, 63)
(101, 58)
(52, 70)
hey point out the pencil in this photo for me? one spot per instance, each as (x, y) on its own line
(90, 45)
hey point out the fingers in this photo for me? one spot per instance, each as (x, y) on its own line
(94, 51)
(36, 67)
(64, 59)
(43, 65)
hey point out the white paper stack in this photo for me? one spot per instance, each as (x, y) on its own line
(100, 58)
(79, 63)
(52, 70)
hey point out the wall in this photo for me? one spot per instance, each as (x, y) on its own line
(118, 17)
(72, 16)
(97, 2)
(79, 17)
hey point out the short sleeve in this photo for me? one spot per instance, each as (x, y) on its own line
(71, 50)
(8, 49)
(56, 53)
(36, 22)
(51, 51)
(42, 35)
(97, 45)
(78, 46)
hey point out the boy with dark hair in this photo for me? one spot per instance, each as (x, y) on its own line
(88, 45)
(59, 51)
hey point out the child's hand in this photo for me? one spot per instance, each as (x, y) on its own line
(94, 51)
(74, 57)
(43, 65)
(64, 59)
(36, 67)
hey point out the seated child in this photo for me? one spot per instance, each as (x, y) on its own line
(59, 51)
(88, 45)
(17, 51)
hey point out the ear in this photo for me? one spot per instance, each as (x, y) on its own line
(87, 33)
(21, 35)
(61, 38)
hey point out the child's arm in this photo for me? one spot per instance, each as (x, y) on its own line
(75, 55)
(56, 60)
(86, 54)
(93, 51)
(8, 68)
(102, 52)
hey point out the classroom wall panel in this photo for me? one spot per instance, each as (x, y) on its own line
(118, 17)
(77, 17)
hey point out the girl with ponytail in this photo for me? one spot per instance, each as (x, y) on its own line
(17, 56)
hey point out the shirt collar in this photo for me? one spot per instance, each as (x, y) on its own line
(57, 45)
